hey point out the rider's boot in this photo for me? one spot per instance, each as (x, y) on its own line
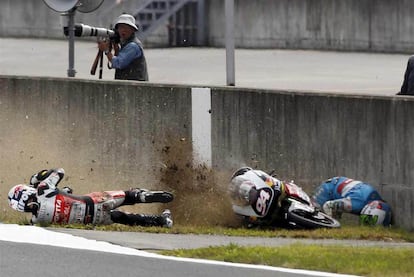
(163, 220)
(167, 218)
(335, 208)
(137, 195)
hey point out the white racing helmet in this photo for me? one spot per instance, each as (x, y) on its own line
(376, 213)
(23, 198)
(241, 171)
(242, 191)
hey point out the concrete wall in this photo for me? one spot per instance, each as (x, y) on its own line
(352, 25)
(310, 137)
(107, 127)
(112, 132)
(363, 25)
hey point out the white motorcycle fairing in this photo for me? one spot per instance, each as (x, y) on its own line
(259, 208)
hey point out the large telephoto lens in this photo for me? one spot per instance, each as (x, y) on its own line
(89, 31)
(82, 30)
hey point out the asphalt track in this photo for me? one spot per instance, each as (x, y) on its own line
(35, 251)
(24, 259)
(339, 72)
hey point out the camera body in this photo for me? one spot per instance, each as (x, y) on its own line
(82, 30)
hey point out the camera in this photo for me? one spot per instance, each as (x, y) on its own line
(82, 30)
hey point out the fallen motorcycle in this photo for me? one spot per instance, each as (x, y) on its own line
(293, 209)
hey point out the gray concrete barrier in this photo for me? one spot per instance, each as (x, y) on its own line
(309, 137)
(126, 127)
(351, 25)
(115, 133)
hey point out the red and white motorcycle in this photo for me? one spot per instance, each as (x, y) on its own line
(254, 199)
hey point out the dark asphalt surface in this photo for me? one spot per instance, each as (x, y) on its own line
(23, 259)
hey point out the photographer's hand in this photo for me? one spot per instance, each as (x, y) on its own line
(103, 46)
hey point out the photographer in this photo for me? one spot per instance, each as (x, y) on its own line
(407, 87)
(129, 63)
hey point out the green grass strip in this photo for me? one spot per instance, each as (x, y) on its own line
(366, 261)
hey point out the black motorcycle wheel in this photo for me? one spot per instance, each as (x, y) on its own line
(315, 220)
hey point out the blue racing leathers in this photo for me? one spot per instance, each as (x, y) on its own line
(358, 192)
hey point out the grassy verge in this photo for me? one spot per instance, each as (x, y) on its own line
(367, 261)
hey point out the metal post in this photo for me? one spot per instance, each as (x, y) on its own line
(229, 15)
(71, 32)
(200, 22)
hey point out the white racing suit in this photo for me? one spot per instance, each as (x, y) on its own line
(97, 208)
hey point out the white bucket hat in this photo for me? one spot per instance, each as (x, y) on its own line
(126, 19)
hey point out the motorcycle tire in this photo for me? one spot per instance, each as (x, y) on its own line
(312, 220)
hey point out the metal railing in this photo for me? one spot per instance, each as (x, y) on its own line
(184, 19)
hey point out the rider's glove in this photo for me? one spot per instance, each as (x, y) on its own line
(67, 190)
(38, 177)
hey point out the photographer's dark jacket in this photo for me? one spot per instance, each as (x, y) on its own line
(137, 69)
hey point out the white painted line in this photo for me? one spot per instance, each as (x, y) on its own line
(37, 235)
